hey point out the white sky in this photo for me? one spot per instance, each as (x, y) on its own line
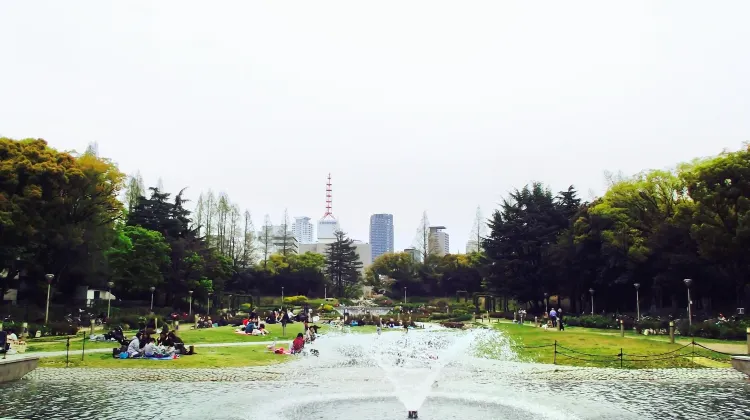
(412, 106)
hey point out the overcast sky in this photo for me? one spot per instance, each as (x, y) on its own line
(410, 105)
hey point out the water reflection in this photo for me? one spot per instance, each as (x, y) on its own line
(345, 384)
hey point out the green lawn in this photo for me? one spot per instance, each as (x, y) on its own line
(189, 336)
(579, 347)
(209, 357)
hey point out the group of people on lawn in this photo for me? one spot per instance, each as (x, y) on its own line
(167, 345)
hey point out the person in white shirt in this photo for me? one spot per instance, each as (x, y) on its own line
(150, 348)
(12, 336)
(134, 348)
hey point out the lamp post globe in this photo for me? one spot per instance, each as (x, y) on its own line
(50, 278)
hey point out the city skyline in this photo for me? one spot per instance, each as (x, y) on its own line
(442, 120)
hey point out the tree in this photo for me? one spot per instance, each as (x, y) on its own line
(266, 239)
(721, 225)
(248, 238)
(422, 238)
(134, 190)
(521, 233)
(286, 240)
(393, 271)
(478, 232)
(342, 262)
(138, 258)
(51, 203)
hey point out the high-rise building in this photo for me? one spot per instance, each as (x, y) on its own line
(328, 225)
(414, 254)
(472, 246)
(439, 241)
(381, 234)
(303, 230)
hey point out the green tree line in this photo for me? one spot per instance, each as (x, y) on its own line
(60, 213)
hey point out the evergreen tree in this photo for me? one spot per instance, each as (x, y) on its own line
(342, 262)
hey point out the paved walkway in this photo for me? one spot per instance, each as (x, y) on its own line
(109, 350)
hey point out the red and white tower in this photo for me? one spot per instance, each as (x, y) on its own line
(329, 199)
(328, 225)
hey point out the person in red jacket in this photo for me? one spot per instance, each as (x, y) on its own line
(298, 344)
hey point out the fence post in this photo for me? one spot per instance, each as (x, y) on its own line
(83, 348)
(67, 351)
(671, 332)
(692, 357)
(622, 329)
(620, 356)
(554, 358)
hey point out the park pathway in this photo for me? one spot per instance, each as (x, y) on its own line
(109, 350)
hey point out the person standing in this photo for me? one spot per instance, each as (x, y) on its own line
(560, 319)
(553, 317)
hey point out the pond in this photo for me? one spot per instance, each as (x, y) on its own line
(367, 377)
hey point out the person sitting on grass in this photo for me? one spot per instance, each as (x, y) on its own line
(175, 342)
(261, 330)
(134, 348)
(249, 327)
(150, 348)
(298, 344)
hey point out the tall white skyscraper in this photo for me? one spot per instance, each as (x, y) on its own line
(439, 241)
(303, 230)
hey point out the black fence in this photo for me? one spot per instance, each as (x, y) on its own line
(687, 350)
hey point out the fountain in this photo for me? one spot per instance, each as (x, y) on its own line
(430, 374)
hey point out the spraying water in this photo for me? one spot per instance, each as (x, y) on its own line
(412, 362)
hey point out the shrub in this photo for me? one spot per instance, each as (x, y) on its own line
(591, 321)
(461, 317)
(449, 324)
(437, 316)
(327, 308)
(651, 324)
(295, 300)
(246, 307)
(127, 322)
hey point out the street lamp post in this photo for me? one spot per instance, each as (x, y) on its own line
(546, 302)
(110, 285)
(404, 294)
(49, 278)
(152, 297)
(637, 302)
(592, 300)
(208, 304)
(688, 283)
(230, 302)
(282, 295)
(325, 292)
(190, 312)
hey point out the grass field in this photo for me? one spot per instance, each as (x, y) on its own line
(191, 337)
(582, 347)
(208, 357)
